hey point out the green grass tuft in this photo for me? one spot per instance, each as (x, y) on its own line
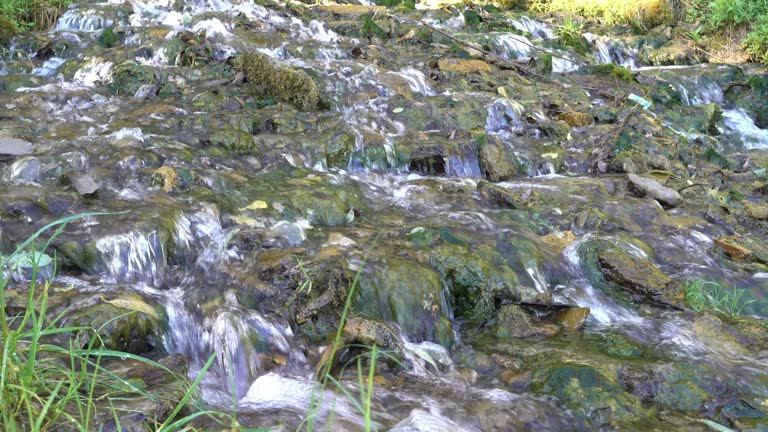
(703, 295)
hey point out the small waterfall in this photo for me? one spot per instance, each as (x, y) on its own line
(94, 71)
(199, 237)
(464, 164)
(612, 51)
(537, 29)
(602, 308)
(83, 20)
(562, 64)
(416, 80)
(504, 117)
(742, 124)
(132, 256)
(238, 336)
(511, 46)
(49, 67)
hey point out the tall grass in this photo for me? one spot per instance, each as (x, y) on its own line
(45, 386)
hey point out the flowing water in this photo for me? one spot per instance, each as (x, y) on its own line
(386, 180)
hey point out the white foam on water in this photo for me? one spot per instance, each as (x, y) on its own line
(94, 71)
(537, 29)
(49, 67)
(416, 80)
(738, 121)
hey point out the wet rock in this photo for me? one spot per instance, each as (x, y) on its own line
(409, 294)
(496, 162)
(560, 239)
(761, 118)
(12, 147)
(586, 389)
(513, 321)
(125, 323)
(476, 279)
(616, 345)
(576, 119)
(633, 272)
(499, 195)
(129, 77)
(283, 83)
(648, 187)
(675, 52)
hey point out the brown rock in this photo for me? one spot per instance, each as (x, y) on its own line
(559, 239)
(463, 65)
(576, 119)
(757, 211)
(572, 318)
(734, 250)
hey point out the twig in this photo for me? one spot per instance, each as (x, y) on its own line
(692, 185)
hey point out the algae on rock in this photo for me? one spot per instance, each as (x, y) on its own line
(280, 82)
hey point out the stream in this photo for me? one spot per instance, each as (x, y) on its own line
(482, 214)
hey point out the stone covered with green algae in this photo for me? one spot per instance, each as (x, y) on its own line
(277, 81)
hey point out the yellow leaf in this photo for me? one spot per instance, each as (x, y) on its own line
(256, 205)
(132, 304)
(244, 220)
(502, 91)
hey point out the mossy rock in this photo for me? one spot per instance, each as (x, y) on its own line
(611, 266)
(125, 323)
(475, 278)
(497, 163)
(7, 30)
(615, 71)
(586, 389)
(277, 81)
(129, 77)
(409, 294)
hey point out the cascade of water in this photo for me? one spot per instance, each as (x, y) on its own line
(238, 336)
(603, 310)
(504, 117)
(537, 29)
(49, 67)
(83, 20)
(751, 135)
(131, 256)
(416, 80)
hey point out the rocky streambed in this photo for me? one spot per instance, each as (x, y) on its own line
(522, 231)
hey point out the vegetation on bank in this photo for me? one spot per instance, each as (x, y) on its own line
(46, 385)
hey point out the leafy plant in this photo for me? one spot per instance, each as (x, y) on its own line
(571, 35)
(709, 295)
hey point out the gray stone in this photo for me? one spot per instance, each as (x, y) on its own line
(14, 147)
(83, 183)
(648, 187)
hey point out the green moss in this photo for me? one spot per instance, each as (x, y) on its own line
(7, 30)
(370, 29)
(107, 38)
(280, 82)
(615, 71)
